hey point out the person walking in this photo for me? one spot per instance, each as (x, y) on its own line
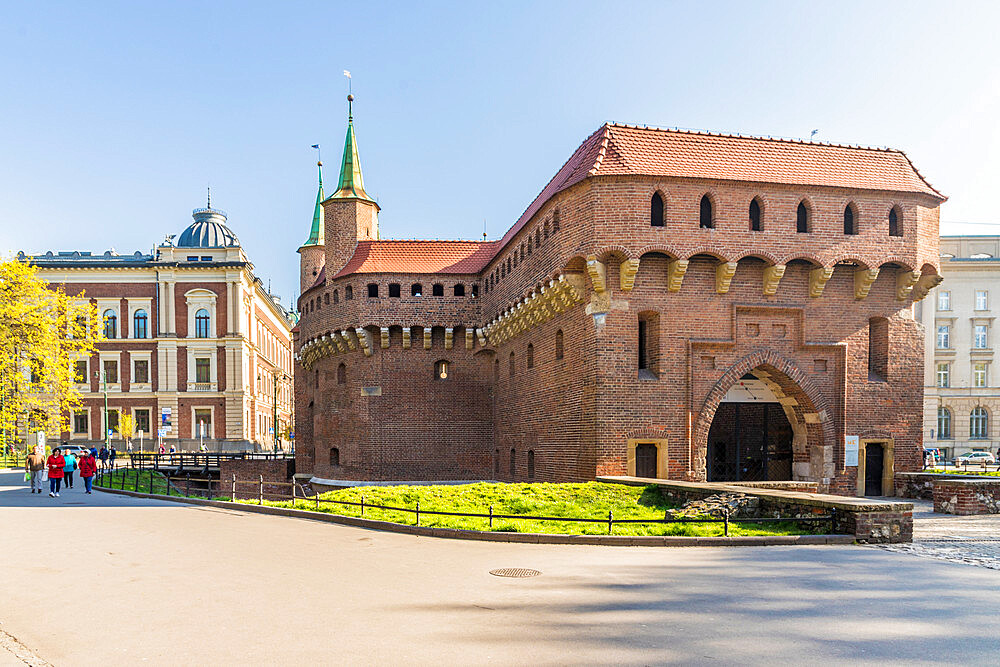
(69, 468)
(104, 457)
(56, 463)
(88, 468)
(34, 465)
(112, 455)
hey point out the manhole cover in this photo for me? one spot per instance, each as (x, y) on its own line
(514, 572)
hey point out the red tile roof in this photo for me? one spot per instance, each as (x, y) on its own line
(643, 151)
(420, 257)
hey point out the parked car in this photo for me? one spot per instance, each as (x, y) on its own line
(975, 458)
(76, 449)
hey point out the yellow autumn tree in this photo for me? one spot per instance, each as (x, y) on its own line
(42, 332)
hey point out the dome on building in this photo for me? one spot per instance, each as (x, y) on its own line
(208, 230)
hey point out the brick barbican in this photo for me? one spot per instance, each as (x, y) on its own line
(673, 304)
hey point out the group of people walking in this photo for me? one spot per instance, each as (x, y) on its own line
(59, 467)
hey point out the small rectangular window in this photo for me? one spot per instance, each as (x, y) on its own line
(982, 301)
(944, 337)
(141, 373)
(643, 359)
(943, 375)
(372, 291)
(979, 375)
(878, 349)
(192, 258)
(393, 291)
(944, 301)
(81, 422)
(202, 370)
(980, 341)
(80, 371)
(110, 371)
(142, 421)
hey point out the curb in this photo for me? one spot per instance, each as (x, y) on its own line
(530, 538)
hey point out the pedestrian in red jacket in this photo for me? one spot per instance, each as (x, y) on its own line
(88, 468)
(56, 463)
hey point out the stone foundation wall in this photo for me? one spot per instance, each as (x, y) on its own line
(967, 496)
(915, 485)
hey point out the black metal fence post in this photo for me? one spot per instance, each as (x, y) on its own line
(260, 491)
(725, 523)
(234, 488)
(362, 504)
(491, 517)
(418, 512)
(611, 519)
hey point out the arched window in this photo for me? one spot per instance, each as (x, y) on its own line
(140, 324)
(555, 221)
(348, 292)
(202, 323)
(530, 361)
(545, 235)
(459, 290)
(944, 424)
(513, 460)
(441, 369)
(802, 219)
(326, 298)
(559, 344)
(531, 464)
(416, 289)
(336, 296)
(850, 220)
(372, 290)
(979, 423)
(511, 369)
(110, 324)
(895, 228)
(754, 215)
(437, 290)
(394, 290)
(656, 211)
(334, 456)
(705, 213)
(342, 374)
(538, 237)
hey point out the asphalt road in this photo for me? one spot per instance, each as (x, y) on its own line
(111, 580)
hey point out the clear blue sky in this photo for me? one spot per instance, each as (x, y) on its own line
(115, 116)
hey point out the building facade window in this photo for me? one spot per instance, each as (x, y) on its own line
(943, 375)
(110, 324)
(142, 421)
(980, 374)
(878, 349)
(334, 456)
(416, 289)
(348, 292)
(202, 370)
(656, 210)
(394, 291)
(372, 290)
(336, 296)
(944, 337)
(342, 374)
(202, 323)
(705, 218)
(754, 215)
(979, 423)
(850, 220)
(895, 229)
(802, 218)
(202, 423)
(459, 290)
(980, 338)
(140, 371)
(438, 290)
(530, 356)
(944, 423)
(80, 371)
(441, 370)
(110, 367)
(982, 299)
(944, 300)
(559, 344)
(140, 324)
(81, 422)
(511, 369)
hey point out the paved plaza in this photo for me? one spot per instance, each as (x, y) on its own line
(112, 580)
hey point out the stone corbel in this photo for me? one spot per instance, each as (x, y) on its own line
(772, 276)
(598, 274)
(351, 338)
(341, 341)
(675, 274)
(626, 272)
(385, 337)
(927, 282)
(364, 340)
(904, 284)
(449, 337)
(724, 273)
(576, 287)
(818, 279)
(406, 337)
(427, 338)
(863, 281)
(482, 337)
(469, 333)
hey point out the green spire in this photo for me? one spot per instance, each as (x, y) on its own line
(316, 233)
(351, 182)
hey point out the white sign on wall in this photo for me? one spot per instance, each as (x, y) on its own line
(851, 444)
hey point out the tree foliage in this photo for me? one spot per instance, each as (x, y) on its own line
(126, 426)
(42, 332)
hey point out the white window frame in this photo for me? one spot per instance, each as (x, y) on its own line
(74, 435)
(944, 300)
(196, 300)
(140, 356)
(110, 304)
(85, 385)
(980, 374)
(980, 336)
(204, 350)
(943, 375)
(104, 421)
(947, 412)
(944, 335)
(976, 433)
(982, 299)
(152, 421)
(135, 305)
(116, 357)
(194, 424)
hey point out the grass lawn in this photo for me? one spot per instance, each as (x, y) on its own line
(591, 500)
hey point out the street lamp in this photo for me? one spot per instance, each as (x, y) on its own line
(104, 382)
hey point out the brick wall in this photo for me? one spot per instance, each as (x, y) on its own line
(963, 496)
(273, 471)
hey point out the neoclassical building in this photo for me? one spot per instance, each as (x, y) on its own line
(673, 304)
(961, 388)
(194, 345)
